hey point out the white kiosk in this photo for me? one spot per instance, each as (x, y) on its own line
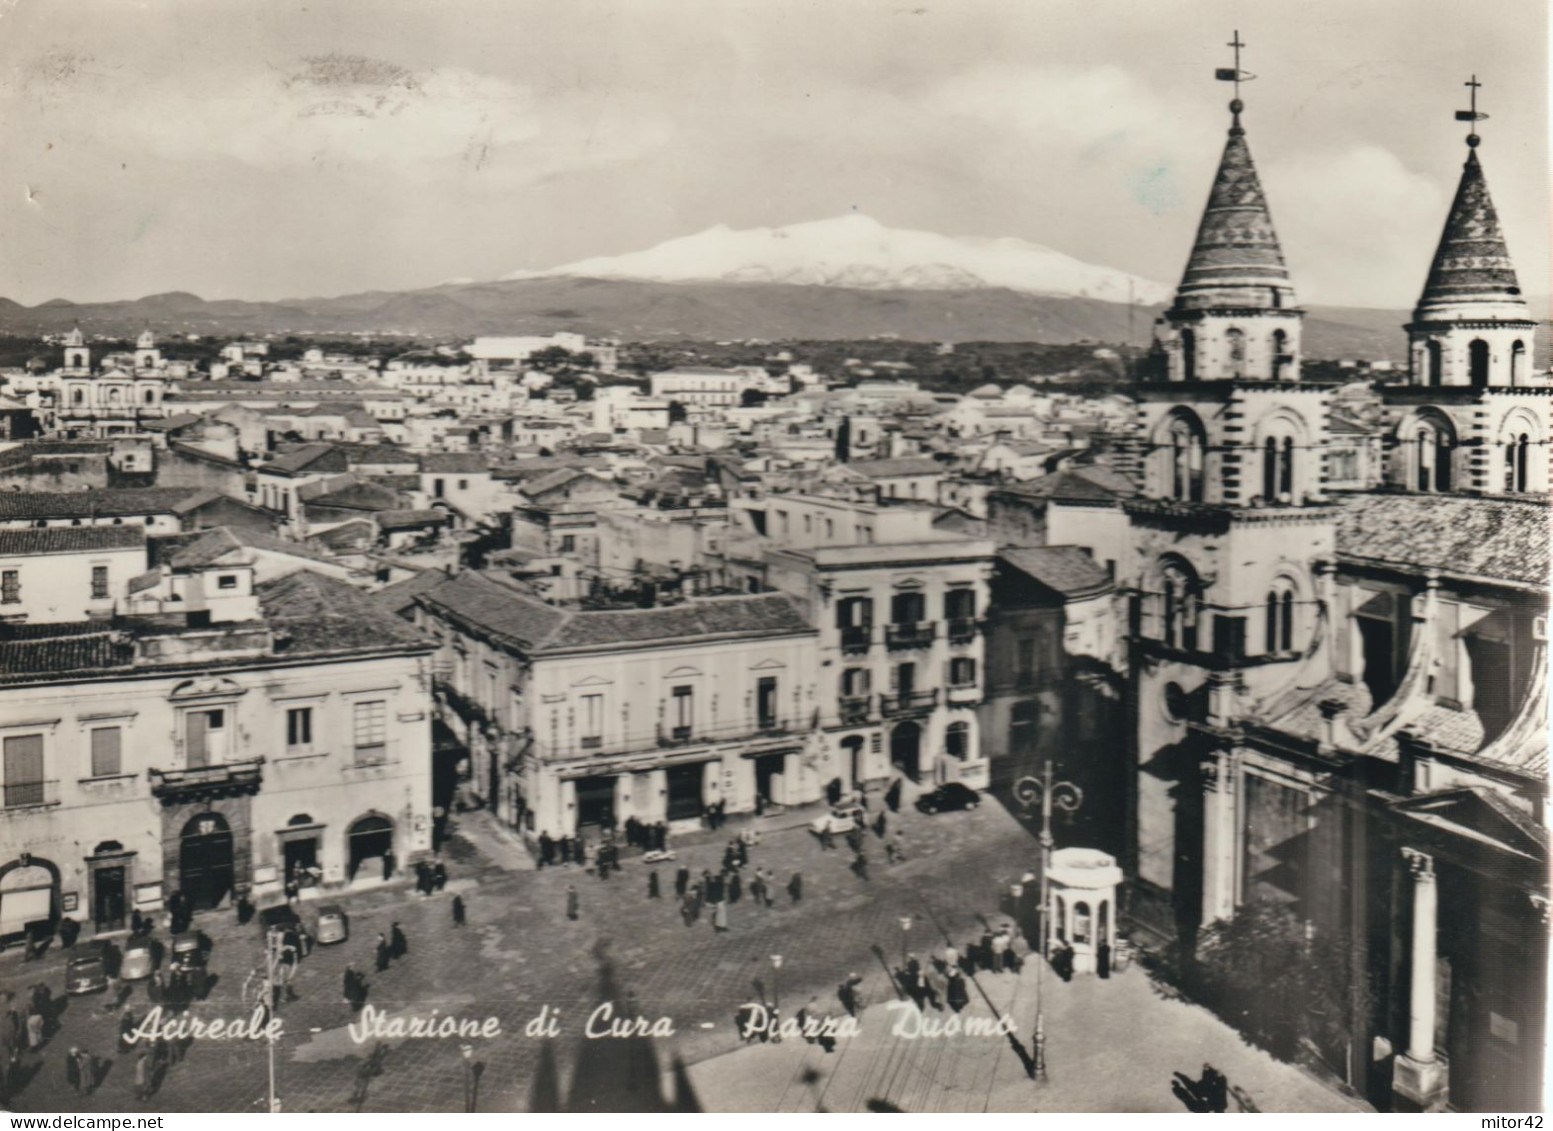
(1082, 886)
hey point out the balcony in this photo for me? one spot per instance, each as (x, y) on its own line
(858, 639)
(962, 630)
(908, 701)
(653, 744)
(916, 634)
(854, 709)
(964, 694)
(29, 795)
(208, 783)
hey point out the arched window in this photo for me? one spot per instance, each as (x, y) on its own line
(1186, 460)
(1180, 600)
(1280, 355)
(957, 740)
(1235, 339)
(855, 683)
(1477, 361)
(1286, 470)
(1279, 620)
(1517, 362)
(78, 395)
(1432, 460)
(113, 395)
(1188, 355)
(1434, 363)
(1517, 453)
(1270, 469)
(150, 396)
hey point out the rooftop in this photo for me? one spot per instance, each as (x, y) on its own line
(1066, 569)
(100, 502)
(28, 541)
(1496, 539)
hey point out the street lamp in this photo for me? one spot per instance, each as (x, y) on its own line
(905, 931)
(1068, 797)
(776, 998)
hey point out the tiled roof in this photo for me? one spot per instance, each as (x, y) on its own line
(399, 596)
(69, 540)
(1094, 484)
(1067, 569)
(314, 614)
(1472, 262)
(1501, 539)
(454, 462)
(538, 627)
(410, 519)
(347, 535)
(366, 496)
(105, 502)
(309, 457)
(63, 654)
(885, 468)
(193, 452)
(214, 544)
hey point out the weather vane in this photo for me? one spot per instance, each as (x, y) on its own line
(1235, 75)
(1472, 115)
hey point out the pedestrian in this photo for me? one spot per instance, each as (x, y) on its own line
(652, 885)
(399, 945)
(384, 952)
(933, 986)
(742, 850)
(88, 1072)
(348, 992)
(73, 1069)
(955, 993)
(34, 1030)
(860, 865)
(681, 881)
(143, 1075)
(849, 993)
(735, 889)
(458, 911)
(892, 796)
(795, 887)
(546, 849)
(879, 825)
(1103, 960)
(126, 1028)
(580, 850)
(439, 875)
(137, 923)
(758, 889)
(720, 918)
(388, 864)
(572, 902)
(566, 850)
(1000, 952)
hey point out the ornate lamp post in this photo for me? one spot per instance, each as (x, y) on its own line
(776, 998)
(905, 933)
(1068, 797)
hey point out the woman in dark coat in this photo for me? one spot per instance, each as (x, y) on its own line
(652, 885)
(795, 887)
(398, 945)
(384, 952)
(956, 994)
(458, 911)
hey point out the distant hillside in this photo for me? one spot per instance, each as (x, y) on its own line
(715, 311)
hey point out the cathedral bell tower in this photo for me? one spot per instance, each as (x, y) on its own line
(1231, 536)
(1473, 415)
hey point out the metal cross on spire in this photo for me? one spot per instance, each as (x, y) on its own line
(1472, 115)
(1235, 75)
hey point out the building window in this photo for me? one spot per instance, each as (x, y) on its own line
(1186, 460)
(960, 604)
(1024, 661)
(227, 581)
(1236, 340)
(437, 488)
(907, 608)
(463, 484)
(1434, 364)
(957, 740)
(99, 582)
(1433, 457)
(766, 702)
(855, 683)
(24, 770)
(1517, 362)
(1515, 452)
(371, 732)
(1477, 362)
(107, 747)
(962, 671)
(1279, 626)
(1023, 727)
(592, 721)
(683, 714)
(1188, 355)
(299, 727)
(204, 736)
(568, 543)
(10, 586)
(1180, 599)
(830, 528)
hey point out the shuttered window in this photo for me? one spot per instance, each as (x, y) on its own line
(24, 770)
(107, 743)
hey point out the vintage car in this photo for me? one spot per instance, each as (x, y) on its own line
(839, 820)
(139, 960)
(950, 795)
(87, 972)
(188, 962)
(333, 925)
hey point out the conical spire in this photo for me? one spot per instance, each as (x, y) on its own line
(1472, 265)
(1236, 260)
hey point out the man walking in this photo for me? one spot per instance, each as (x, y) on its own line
(384, 952)
(682, 881)
(458, 911)
(795, 887)
(399, 946)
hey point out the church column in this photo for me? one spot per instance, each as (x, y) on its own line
(1421, 1081)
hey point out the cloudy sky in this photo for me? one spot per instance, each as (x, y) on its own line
(275, 148)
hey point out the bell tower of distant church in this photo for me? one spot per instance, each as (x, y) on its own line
(78, 355)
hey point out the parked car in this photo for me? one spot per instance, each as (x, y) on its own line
(87, 972)
(333, 925)
(950, 795)
(139, 960)
(840, 820)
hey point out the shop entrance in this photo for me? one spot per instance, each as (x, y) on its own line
(685, 791)
(596, 801)
(370, 839)
(108, 898)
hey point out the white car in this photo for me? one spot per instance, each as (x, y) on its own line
(839, 821)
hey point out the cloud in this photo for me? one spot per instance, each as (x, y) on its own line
(338, 111)
(1357, 225)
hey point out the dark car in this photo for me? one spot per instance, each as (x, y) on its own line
(950, 795)
(87, 972)
(188, 965)
(278, 920)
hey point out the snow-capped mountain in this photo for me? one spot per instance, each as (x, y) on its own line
(857, 251)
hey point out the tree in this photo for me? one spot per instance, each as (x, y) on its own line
(752, 397)
(677, 412)
(844, 440)
(1279, 982)
(550, 359)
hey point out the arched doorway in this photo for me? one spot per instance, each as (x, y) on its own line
(906, 749)
(29, 893)
(852, 752)
(369, 838)
(205, 861)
